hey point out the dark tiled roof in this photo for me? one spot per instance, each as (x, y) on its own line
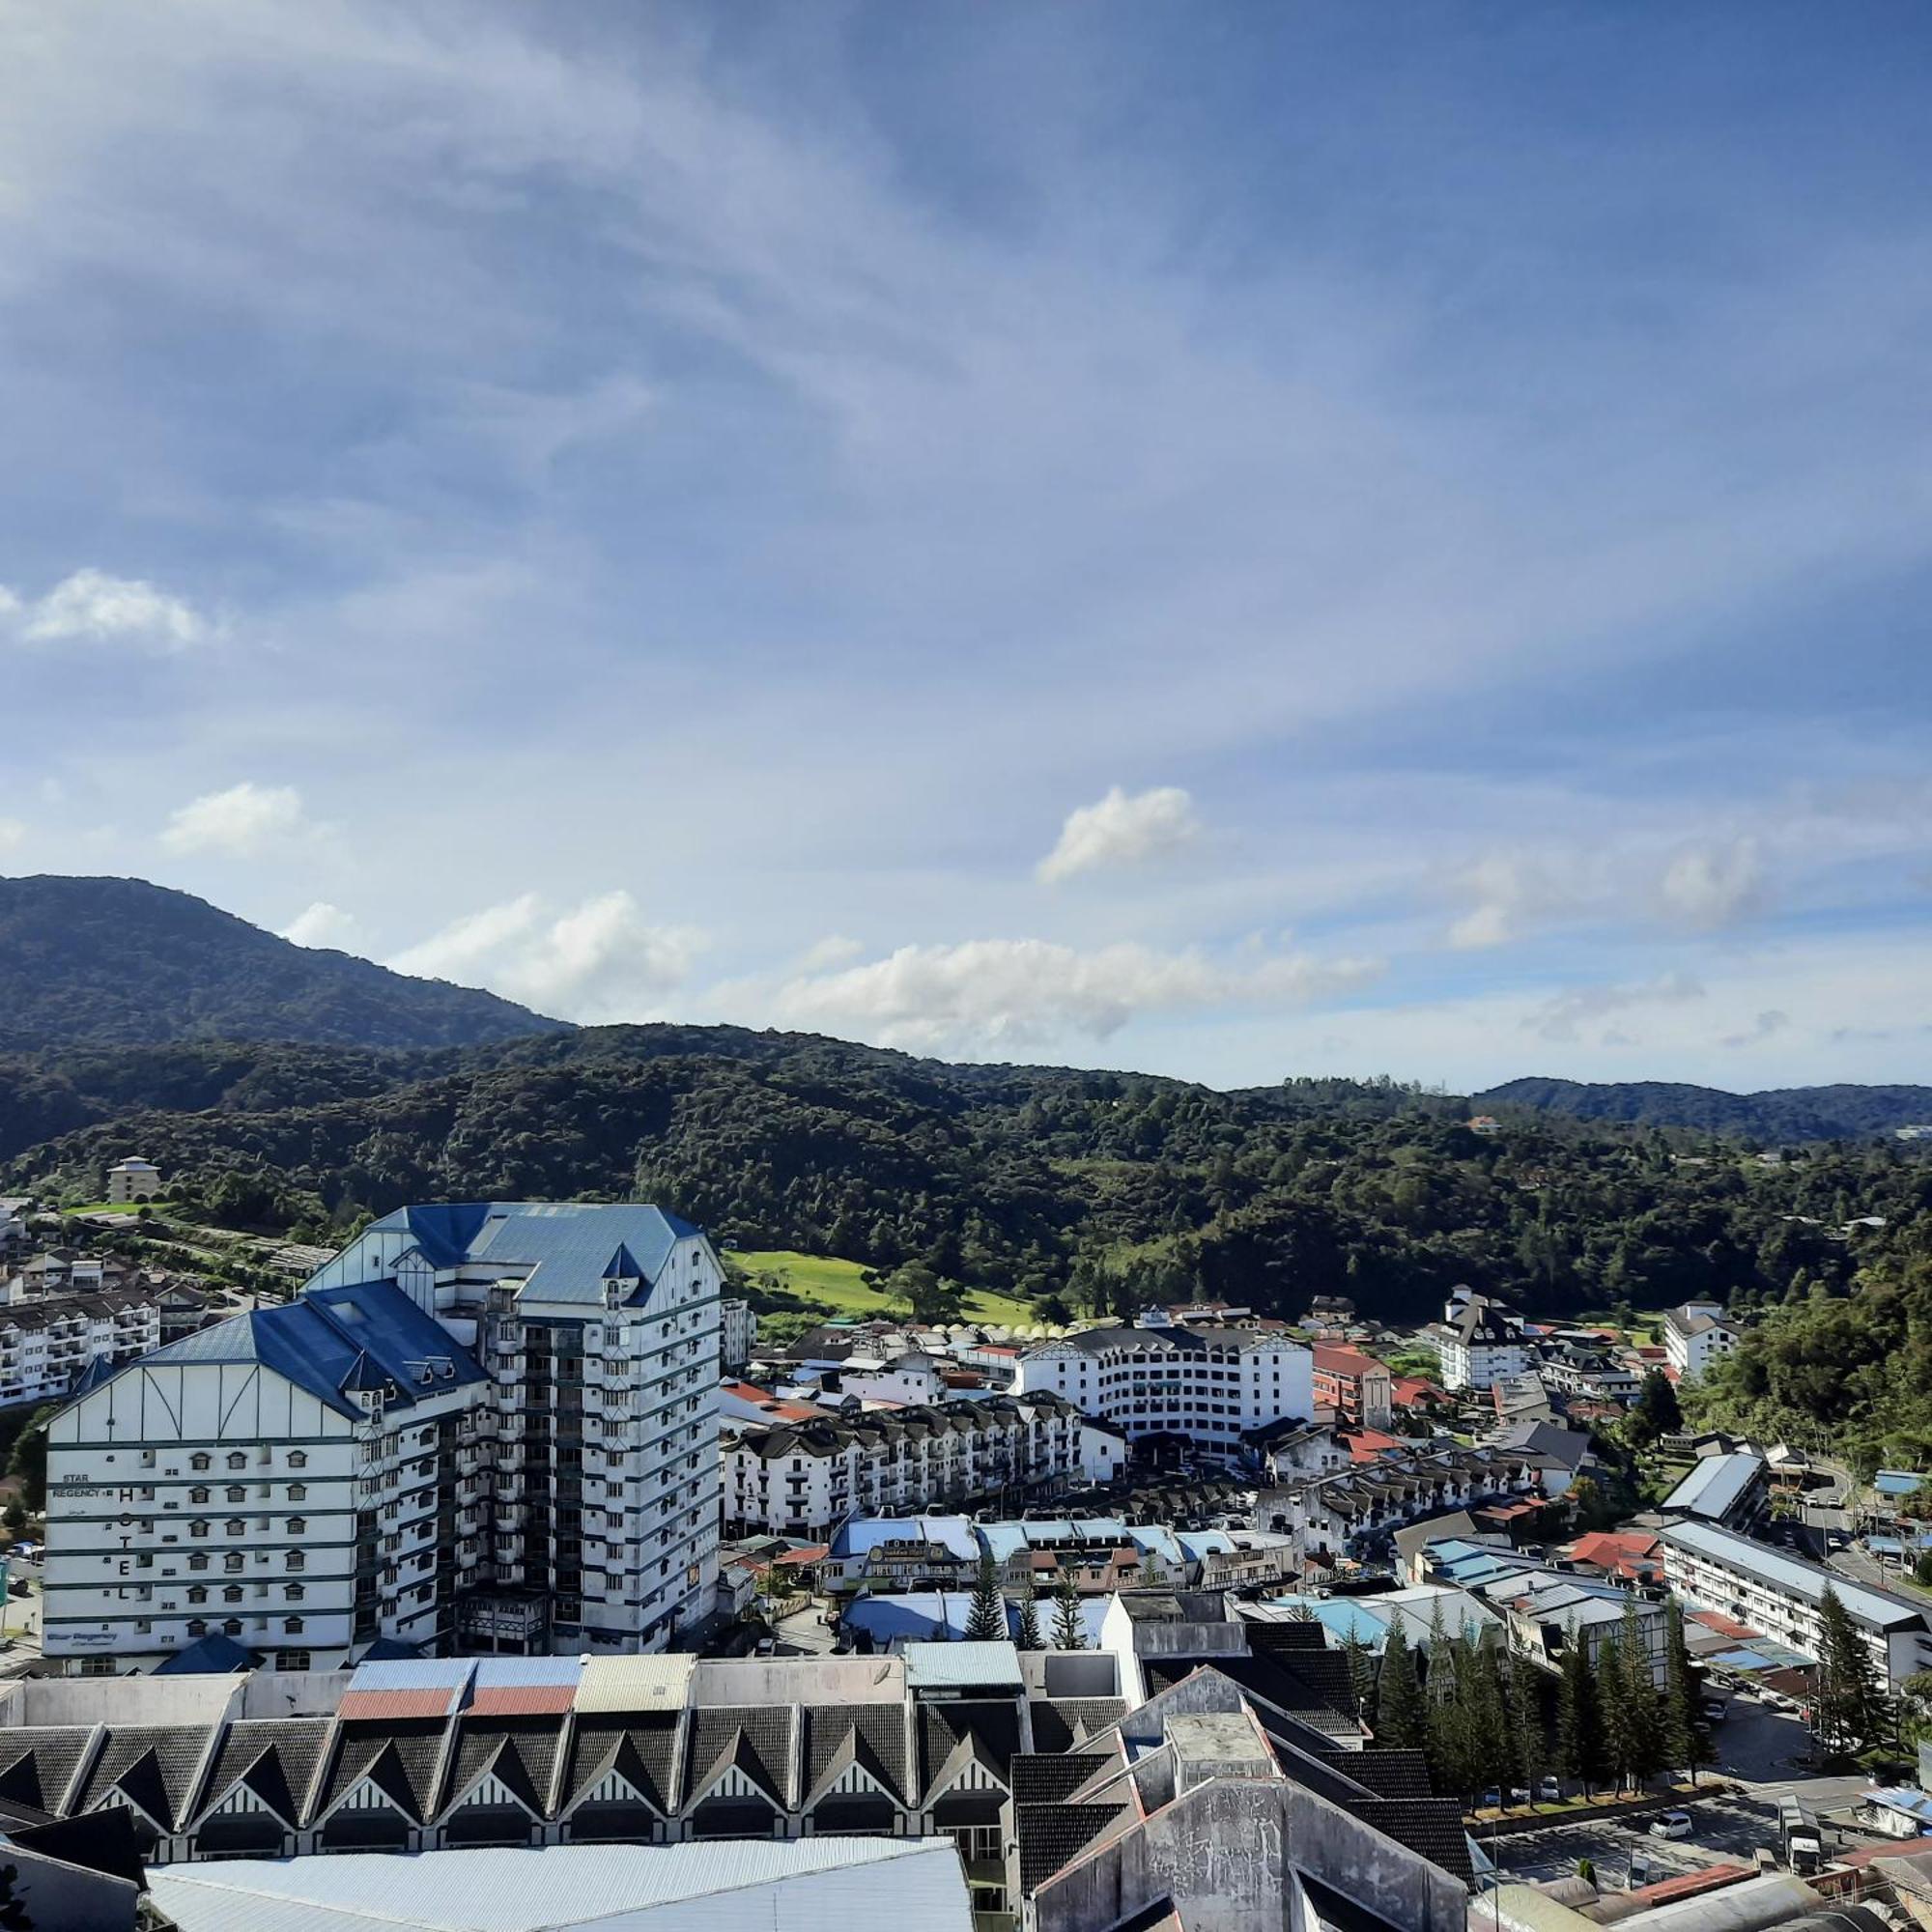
(1050, 1778)
(1059, 1723)
(38, 1763)
(643, 1750)
(994, 1727)
(402, 1759)
(757, 1738)
(277, 1756)
(522, 1757)
(153, 1765)
(1391, 1774)
(1430, 1827)
(1270, 1678)
(1052, 1836)
(881, 1743)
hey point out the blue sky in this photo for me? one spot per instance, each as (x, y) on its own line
(1224, 540)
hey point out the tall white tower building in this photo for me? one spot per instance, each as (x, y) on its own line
(488, 1426)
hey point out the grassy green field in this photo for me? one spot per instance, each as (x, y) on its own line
(836, 1287)
(114, 1208)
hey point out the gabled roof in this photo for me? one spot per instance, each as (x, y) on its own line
(641, 1752)
(334, 1340)
(565, 1247)
(152, 1767)
(38, 1763)
(275, 1758)
(754, 1740)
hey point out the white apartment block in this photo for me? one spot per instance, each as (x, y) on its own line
(47, 1346)
(1209, 1384)
(131, 1180)
(1716, 1569)
(484, 1426)
(737, 1332)
(1477, 1344)
(1696, 1335)
(804, 1478)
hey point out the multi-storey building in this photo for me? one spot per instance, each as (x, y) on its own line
(804, 1478)
(1479, 1343)
(1696, 1335)
(488, 1424)
(131, 1180)
(1357, 1387)
(45, 1345)
(1209, 1385)
(1783, 1595)
(737, 1332)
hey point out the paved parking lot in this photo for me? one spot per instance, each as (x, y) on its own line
(1724, 1831)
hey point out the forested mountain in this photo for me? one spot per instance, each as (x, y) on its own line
(1777, 1113)
(118, 961)
(1104, 1190)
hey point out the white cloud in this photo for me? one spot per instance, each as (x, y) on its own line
(13, 834)
(1011, 993)
(1121, 830)
(1511, 890)
(240, 821)
(601, 962)
(324, 925)
(835, 949)
(1564, 1017)
(1714, 885)
(95, 608)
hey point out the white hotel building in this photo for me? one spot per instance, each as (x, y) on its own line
(484, 1426)
(1209, 1384)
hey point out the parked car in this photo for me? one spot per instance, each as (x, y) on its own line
(1551, 1790)
(1672, 1824)
(1490, 1800)
(767, 1644)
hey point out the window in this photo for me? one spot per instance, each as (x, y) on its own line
(199, 1527)
(298, 1524)
(199, 1493)
(198, 1460)
(237, 1493)
(197, 1593)
(297, 1459)
(294, 1592)
(199, 1560)
(296, 1560)
(233, 1561)
(293, 1626)
(197, 1626)
(232, 1594)
(292, 1660)
(232, 1628)
(237, 1458)
(296, 1491)
(237, 1526)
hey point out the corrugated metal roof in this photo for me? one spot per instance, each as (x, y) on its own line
(934, 1666)
(807, 1884)
(635, 1683)
(1715, 1485)
(1805, 1580)
(422, 1687)
(524, 1687)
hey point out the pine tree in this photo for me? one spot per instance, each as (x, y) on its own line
(1029, 1637)
(1528, 1751)
(1848, 1711)
(1445, 1736)
(1684, 1740)
(1484, 1718)
(1361, 1672)
(986, 1620)
(1613, 1707)
(1401, 1721)
(1579, 1730)
(1644, 1712)
(1070, 1632)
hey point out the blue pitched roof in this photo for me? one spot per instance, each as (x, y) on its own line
(566, 1245)
(333, 1339)
(951, 1533)
(214, 1654)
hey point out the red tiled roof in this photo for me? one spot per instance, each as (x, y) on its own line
(1406, 1389)
(1717, 1619)
(812, 1553)
(1608, 1547)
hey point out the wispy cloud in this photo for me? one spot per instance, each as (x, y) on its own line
(1010, 994)
(1565, 1016)
(324, 925)
(246, 820)
(90, 606)
(1122, 831)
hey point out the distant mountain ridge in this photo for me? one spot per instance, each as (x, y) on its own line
(114, 962)
(1841, 1112)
